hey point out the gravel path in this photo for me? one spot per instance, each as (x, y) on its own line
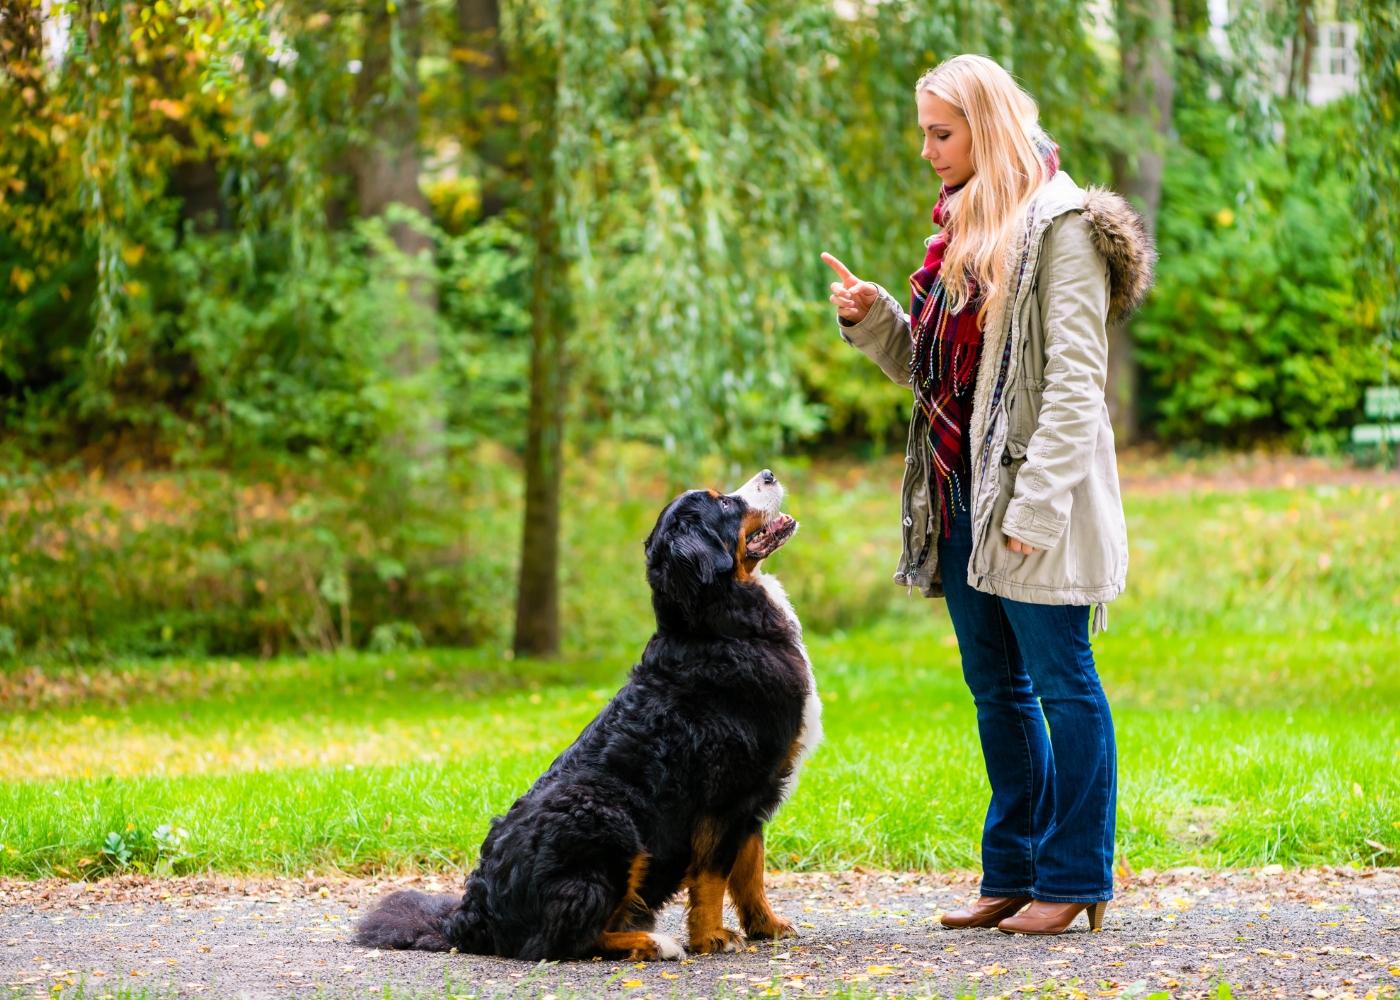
(1331, 933)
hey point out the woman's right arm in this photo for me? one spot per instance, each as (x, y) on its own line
(872, 321)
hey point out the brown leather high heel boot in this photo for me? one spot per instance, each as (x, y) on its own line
(988, 911)
(1052, 918)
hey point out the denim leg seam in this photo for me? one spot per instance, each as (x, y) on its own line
(1072, 698)
(1029, 839)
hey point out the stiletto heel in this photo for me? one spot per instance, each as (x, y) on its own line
(1096, 912)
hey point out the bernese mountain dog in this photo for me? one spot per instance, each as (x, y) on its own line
(668, 788)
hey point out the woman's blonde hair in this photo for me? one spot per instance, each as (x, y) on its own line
(1008, 170)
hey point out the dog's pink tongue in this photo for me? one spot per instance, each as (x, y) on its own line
(767, 541)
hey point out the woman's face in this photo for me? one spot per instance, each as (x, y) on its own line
(947, 139)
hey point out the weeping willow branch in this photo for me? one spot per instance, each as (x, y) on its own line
(1378, 173)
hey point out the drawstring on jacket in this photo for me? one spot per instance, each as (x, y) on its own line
(1099, 621)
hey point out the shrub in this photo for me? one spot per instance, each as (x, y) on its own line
(1255, 330)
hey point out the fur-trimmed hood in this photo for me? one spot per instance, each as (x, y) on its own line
(1120, 234)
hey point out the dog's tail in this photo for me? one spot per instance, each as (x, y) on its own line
(410, 919)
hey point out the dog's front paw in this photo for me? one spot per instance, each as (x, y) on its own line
(774, 928)
(717, 941)
(668, 949)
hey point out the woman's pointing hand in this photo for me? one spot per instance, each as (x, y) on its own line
(851, 296)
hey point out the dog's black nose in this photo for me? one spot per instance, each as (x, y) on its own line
(767, 476)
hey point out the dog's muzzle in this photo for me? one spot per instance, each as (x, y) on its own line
(763, 493)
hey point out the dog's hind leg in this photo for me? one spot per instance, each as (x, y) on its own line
(640, 946)
(750, 899)
(633, 914)
(591, 913)
(629, 931)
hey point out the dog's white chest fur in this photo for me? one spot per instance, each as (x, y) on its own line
(811, 733)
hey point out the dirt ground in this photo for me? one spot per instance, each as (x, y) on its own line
(1325, 933)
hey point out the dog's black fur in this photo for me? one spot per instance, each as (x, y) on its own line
(690, 756)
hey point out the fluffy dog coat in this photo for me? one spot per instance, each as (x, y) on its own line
(669, 787)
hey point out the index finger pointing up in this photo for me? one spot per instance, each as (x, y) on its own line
(847, 278)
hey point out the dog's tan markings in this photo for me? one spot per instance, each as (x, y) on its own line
(634, 945)
(704, 841)
(705, 918)
(789, 762)
(750, 899)
(714, 494)
(622, 938)
(751, 522)
(633, 910)
(705, 882)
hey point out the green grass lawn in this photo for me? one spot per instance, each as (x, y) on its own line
(1253, 666)
(373, 762)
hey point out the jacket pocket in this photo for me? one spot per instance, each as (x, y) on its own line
(1023, 408)
(1027, 390)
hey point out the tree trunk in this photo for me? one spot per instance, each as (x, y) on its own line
(537, 603)
(1300, 61)
(479, 23)
(483, 62)
(1147, 82)
(386, 165)
(385, 168)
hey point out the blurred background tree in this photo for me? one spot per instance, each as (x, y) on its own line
(354, 265)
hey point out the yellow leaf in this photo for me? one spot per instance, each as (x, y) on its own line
(631, 984)
(169, 108)
(880, 970)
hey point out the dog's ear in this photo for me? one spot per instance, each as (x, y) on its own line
(682, 559)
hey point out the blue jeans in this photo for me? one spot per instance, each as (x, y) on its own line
(1049, 827)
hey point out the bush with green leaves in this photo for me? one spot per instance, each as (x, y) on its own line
(1256, 330)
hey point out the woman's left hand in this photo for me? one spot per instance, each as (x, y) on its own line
(1016, 545)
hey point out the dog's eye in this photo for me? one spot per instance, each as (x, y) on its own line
(723, 501)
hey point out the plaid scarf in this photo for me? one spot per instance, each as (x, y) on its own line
(947, 348)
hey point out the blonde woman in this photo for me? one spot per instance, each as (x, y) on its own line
(1011, 508)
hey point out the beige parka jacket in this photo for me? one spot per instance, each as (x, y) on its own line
(1043, 464)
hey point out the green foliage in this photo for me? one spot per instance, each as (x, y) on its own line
(268, 559)
(186, 278)
(698, 184)
(311, 557)
(1256, 330)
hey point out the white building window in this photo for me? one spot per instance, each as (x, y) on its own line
(1333, 63)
